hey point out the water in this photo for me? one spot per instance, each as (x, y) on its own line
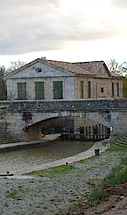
(14, 161)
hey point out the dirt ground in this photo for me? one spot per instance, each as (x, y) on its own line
(115, 204)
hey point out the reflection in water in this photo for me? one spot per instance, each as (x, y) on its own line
(20, 159)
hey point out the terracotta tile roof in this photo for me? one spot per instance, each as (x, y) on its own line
(70, 67)
(93, 66)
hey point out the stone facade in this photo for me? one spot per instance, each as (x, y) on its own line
(21, 120)
(42, 78)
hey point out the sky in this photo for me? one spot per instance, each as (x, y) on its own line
(67, 30)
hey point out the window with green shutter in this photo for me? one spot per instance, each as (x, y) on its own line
(58, 90)
(112, 89)
(82, 89)
(21, 90)
(117, 89)
(39, 90)
(89, 89)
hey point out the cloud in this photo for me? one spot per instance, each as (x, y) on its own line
(119, 3)
(32, 26)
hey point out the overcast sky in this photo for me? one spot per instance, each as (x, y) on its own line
(69, 30)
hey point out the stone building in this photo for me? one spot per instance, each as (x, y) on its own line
(47, 79)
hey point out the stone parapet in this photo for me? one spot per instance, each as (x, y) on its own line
(65, 105)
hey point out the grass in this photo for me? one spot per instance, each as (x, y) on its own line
(55, 171)
(97, 195)
(16, 194)
(117, 176)
(59, 213)
(117, 148)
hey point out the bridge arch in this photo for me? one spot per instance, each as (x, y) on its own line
(74, 122)
(15, 116)
(99, 117)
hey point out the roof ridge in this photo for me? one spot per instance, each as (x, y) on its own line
(88, 61)
(74, 69)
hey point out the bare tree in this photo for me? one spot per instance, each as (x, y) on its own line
(116, 67)
(120, 69)
(113, 65)
(15, 65)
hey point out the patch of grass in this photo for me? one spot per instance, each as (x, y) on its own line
(55, 171)
(71, 208)
(117, 176)
(16, 194)
(59, 213)
(116, 148)
(86, 160)
(97, 195)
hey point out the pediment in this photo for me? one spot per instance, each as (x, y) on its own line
(40, 69)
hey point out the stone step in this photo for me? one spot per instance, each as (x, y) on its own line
(123, 138)
(121, 141)
(118, 144)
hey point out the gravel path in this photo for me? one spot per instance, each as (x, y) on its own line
(49, 196)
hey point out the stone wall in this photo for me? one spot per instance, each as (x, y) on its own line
(17, 116)
(63, 105)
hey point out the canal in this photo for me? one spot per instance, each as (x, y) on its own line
(16, 160)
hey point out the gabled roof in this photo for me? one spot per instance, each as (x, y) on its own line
(70, 67)
(92, 68)
(55, 64)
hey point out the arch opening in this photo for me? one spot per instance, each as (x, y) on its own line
(69, 127)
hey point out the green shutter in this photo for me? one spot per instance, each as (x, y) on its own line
(112, 89)
(82, 89)
(58, 90)
(89, 89)
(21, 90)
(117, 89)
(39, 90)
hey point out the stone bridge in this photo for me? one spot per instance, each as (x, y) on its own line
(24, 120)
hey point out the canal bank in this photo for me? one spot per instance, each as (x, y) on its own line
(100, 147)
(21, 145)
(17, 158)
